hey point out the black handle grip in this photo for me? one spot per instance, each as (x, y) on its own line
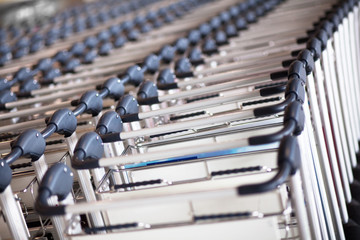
(202, 98)
(268, 91)
(222, 216)
(278, 75)
(148, 101)
(21, 165)
(167, 86)
(130, 117)
(261, 101)
(286, 63)
(138, 184)
(294, 121)
(236, 170)
(178, 117)
(74, 103)
(111, 137)
(288, 162)
(109, 228)
(274, 137)
(273, 109)
(295, 91)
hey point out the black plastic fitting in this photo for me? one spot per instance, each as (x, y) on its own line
(167, 53)
(31, 143)
(64, 121)
(127, 105)
(44, 64)
(152, 63)
(88, 150)
(23, 74)
(295, 86)
(109, 122)
(115, 88)
(194, 37)
(297, 68)
(195, 57)
(268, 91)
(6, 96)
(57, 181)
(314, 45)
(183, 68)
(166, 76)
(134, 75)
(148, 93)
(307, 57)
(50, 75)
(205, 29)
(209, 47)
(92, 101)
(181, 45)
(29, 85)
(221, 38)
(323, 37)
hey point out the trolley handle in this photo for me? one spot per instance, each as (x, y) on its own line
(288, 163)
(295, 91)
(294, 121)
(89, 149)
(148, 95)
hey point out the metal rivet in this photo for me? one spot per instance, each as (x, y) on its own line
(65, 169)
(37, 135)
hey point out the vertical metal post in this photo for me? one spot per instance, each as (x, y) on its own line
(13, 215)
(300, 210)
(334, 96)
(316, 176)
(333, 161)
(342, 93)
(324, 160)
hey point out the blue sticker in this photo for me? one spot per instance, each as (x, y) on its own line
(244, 149)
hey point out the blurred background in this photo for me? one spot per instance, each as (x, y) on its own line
(31, 12)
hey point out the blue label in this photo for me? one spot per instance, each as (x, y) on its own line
(245, 149)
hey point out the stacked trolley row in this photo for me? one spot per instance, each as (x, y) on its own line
(217, 134)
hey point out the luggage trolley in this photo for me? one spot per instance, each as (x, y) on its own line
(178, 121)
